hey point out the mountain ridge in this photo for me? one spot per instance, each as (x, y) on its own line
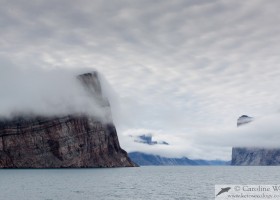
(144, 159)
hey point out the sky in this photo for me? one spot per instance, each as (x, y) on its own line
(182, 70)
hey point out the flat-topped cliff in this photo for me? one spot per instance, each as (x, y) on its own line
(76, 140)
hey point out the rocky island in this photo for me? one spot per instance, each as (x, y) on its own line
(78, 140)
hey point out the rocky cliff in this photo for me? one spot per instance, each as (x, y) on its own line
(71, 141)
(256, 156)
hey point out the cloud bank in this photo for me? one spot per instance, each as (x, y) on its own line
(44, 92)
(214, 143)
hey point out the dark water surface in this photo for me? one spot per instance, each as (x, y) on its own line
(156, 183)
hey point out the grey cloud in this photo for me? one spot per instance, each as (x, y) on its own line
(175, 65)
(211, 143)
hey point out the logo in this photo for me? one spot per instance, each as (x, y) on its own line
(223, 190)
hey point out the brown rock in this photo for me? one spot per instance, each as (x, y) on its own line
(72, 141)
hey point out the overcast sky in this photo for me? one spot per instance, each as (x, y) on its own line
(180, 69)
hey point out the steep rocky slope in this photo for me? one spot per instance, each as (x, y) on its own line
(255, 156)
(77, 141)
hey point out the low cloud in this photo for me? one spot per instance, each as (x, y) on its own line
(211, 143)
(262, 132)
(46, 92)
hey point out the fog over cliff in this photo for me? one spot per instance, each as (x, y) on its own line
(39, 91)
(58, 92)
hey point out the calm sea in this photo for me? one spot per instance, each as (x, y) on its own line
(156, 183)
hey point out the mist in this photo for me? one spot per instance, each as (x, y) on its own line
(262, 132)
(47, 92)
(210, 143)
(56, 92)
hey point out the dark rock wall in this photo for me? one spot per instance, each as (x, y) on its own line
(72, 141)
(255, 156)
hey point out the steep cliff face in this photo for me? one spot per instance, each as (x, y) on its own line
(77, 140)
(256, 156)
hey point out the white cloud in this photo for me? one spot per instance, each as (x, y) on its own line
(210, 142)
(45, 92)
